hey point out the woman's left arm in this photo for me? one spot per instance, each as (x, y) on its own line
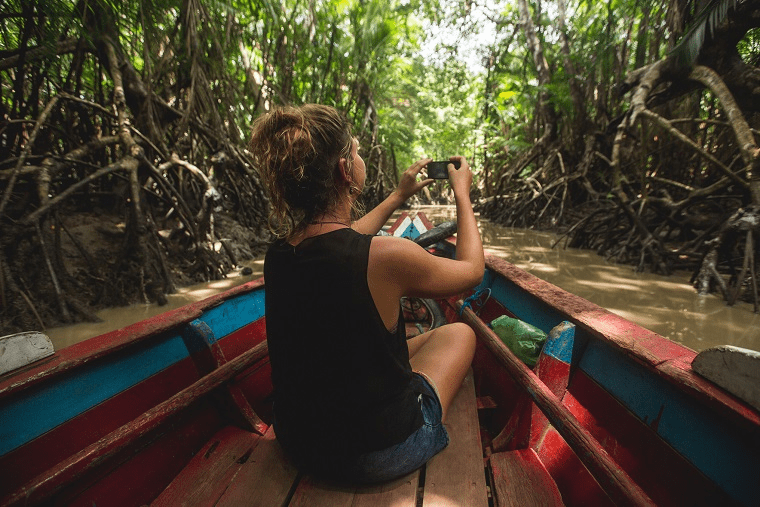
(408, 185)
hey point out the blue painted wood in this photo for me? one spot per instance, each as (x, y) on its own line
(235, 313)
(408, 229)
(525, 307)
(41, 408)
(198, 337)
(559, 342)
(724, 455)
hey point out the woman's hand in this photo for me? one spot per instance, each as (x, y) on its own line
(408, 184)
(460, 179)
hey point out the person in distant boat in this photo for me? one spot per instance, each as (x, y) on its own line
(353, 399)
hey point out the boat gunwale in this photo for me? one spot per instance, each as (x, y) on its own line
(645, 347)
(117, 340)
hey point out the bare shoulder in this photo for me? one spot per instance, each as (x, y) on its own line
(390, 249)
(413, 271)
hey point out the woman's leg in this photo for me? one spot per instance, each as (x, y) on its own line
(444, 355)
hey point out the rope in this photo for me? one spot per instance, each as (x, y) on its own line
(475, 298)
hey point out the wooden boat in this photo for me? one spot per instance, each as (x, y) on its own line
(175, 410)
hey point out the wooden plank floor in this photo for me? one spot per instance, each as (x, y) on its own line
(240, 468)
(205, 478)
(266, 478)
(520, 479)
(456, 476)
(399, 493)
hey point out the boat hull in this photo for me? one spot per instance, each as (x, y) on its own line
(114, 419)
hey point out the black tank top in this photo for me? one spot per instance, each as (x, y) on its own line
(342, 381)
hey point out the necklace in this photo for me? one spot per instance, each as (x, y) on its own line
(330, 222)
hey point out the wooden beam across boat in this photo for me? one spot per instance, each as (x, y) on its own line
(49, 482)
(614, 480)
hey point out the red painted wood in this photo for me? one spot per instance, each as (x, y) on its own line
(46, 484)
(398, 221)
(425, 221)
(208, 356)
(711, 395)
(528, 424)
(669, 360)
(555, 375)
(255, 382)
(644, 345)
(615, 481)
(516, 432)
(142, 474)
(668, 477)
(243, 339)
(23, 464)
(486, 402)
(106, 344)
(574, 481)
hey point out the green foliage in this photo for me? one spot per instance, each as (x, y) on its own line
(432, 113)
(228, 61)
(749, 47)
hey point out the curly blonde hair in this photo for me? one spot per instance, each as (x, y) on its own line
(297, 151)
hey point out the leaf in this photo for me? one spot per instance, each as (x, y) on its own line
(688, 49)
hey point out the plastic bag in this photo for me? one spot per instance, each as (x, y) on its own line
(524, 340)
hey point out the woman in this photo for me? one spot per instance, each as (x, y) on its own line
(353, 399)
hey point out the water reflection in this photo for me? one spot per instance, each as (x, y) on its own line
(665, 305)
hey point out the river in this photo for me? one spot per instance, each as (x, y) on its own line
(666, 305)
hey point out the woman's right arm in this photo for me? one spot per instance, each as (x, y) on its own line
(402, 268)
(469, 244)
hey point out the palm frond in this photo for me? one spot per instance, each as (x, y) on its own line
(690, 45)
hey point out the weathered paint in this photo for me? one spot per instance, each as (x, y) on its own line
(628, 362)
(666, 475)
(41, 408)
(400, 227)
(26, 462)
(632, 440)
(44, 407)
(614, 479)
(735, 369)
(86, 460)
(20, 349)
(408, 227)
(727, 456)
(559, 342)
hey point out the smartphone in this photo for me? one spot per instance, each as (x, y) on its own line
(439, 170)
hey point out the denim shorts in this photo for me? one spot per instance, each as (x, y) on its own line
(409, 455)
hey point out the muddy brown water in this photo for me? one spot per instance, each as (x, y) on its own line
(666, 305)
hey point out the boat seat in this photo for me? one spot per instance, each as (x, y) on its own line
(237, 467)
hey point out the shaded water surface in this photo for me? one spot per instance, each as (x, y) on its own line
(666, 305)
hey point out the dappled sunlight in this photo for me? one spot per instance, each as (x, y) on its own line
(666, 305)
(647, 321)
(597, 285)
(439, 501)
(544, 268)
